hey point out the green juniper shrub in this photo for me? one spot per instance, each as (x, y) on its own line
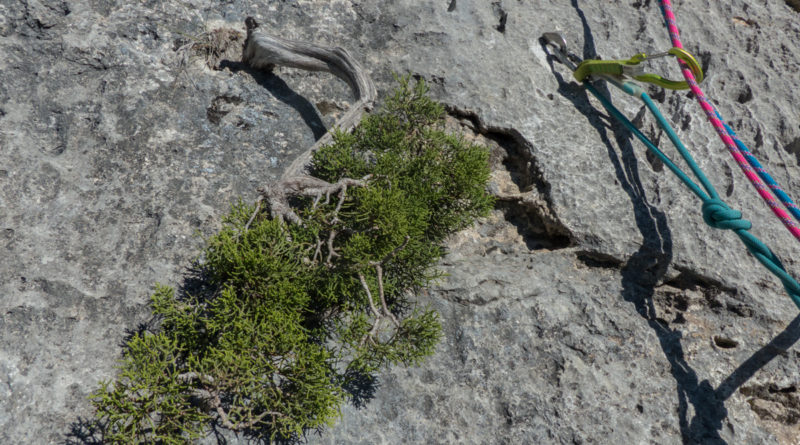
(299, 311)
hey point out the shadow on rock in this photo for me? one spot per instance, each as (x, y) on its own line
(647, 266)
(361, 388)
(283, 92)
(84, 432)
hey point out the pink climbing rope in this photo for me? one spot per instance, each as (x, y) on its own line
(761, 188)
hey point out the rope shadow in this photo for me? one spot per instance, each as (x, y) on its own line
(646, 267)
(777, 346)
(649, 263)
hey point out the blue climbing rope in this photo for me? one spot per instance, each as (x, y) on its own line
(771, 183)
(716, 213)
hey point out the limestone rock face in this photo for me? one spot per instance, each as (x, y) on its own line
(593, 306)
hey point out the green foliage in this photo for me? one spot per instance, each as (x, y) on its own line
(148, 400)
(293, 314)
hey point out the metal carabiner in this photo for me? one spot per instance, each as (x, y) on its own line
(631, 68)
(559, 44)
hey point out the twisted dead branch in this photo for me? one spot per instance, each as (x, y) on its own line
(278, 194)
(263, 51)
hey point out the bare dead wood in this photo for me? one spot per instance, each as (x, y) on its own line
(188, 377)
(277, 194)
(385, 312)
(210, 395)
(369, 295)
(331, 251)
(384, 306)
(225, 421)
(263, 51)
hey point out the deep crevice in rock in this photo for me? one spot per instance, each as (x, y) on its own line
(598, 260)
(523, 195)
(675, 295)
(220, 107)
(794, 147)
(771, 402)
(745, 94)
(725, 342)
(689, 279)
(502, 16)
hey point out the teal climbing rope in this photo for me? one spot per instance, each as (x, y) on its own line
(749, 165)
(716, 213)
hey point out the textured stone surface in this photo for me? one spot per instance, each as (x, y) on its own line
(595, 307)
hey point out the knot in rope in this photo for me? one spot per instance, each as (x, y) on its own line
(718, 215)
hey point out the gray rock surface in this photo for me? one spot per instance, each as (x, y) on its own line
(597, 308)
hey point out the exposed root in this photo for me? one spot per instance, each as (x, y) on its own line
(277, 195)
